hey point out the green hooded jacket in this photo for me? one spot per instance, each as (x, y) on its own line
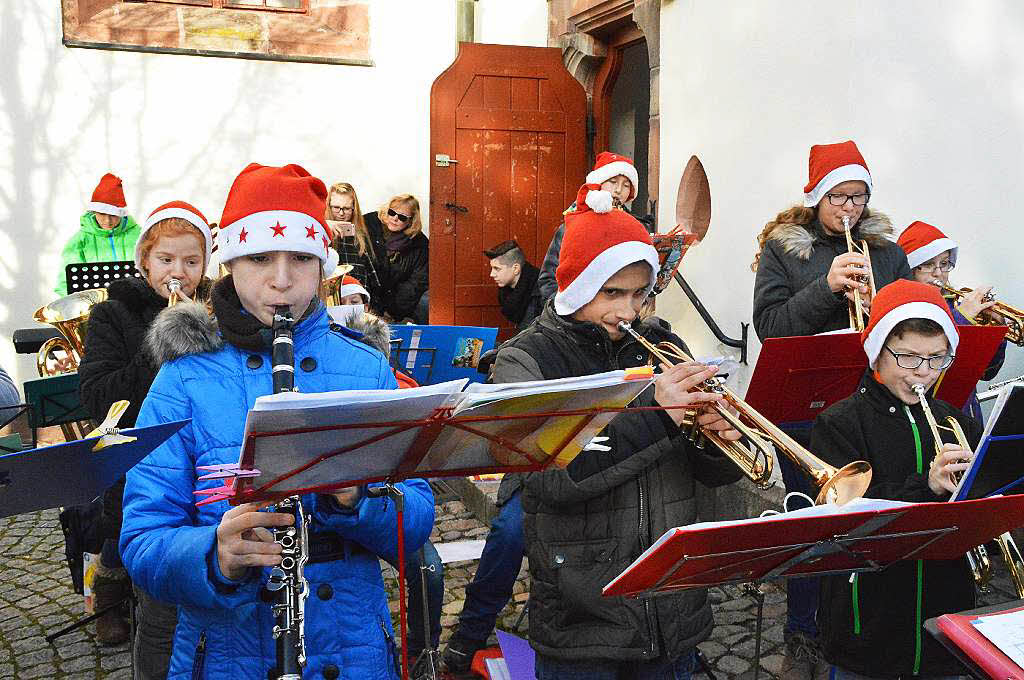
(94, 244)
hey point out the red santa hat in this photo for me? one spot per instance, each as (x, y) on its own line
(902, 300)
(108, 197)
(350, 286)
(595, 246)
(832, 164)
(610, 165)
(921, 242)
(271, 208)
(184, 211)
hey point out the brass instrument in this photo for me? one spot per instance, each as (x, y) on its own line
(752, 453)
(1012, 317)
(176, 296)
(330, 289)
(858, 315)
(70, 315)
(977, 558)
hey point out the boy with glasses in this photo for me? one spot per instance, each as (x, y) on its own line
(932, 256)
(871, 623)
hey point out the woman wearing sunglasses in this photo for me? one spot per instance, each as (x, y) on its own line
(400, 259)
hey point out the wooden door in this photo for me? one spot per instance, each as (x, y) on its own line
(515, 121)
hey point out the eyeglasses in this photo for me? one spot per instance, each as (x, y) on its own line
(841, 199)
(401, 218)
(911, 362)
(347, 208)
(944, 266)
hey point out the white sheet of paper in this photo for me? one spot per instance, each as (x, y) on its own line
(1005, 631)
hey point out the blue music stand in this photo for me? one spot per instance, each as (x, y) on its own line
(998, 465)
(71, 473)
(435, 354)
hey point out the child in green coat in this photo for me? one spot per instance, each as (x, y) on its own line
(106, 234)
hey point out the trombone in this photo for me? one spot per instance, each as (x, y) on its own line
(977, 558)
(1012, 317)
(753, 452)
(858, 314)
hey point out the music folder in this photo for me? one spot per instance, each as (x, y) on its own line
(74, 472)
(863, 535)
(965, 635)
(998, 465)
(796, 378)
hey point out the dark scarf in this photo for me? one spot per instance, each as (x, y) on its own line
(515, 301)
(395, 244)
(239, 327)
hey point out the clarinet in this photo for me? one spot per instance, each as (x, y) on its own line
(286, 581)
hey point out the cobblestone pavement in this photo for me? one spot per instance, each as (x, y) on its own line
(36, 598)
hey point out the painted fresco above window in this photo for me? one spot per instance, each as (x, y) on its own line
(326, 31)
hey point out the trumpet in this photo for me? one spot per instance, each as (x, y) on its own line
(176, 296)
(1012, 317)
(759, 436)
(858, 315)
(977, 558)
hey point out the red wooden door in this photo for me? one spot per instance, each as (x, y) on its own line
(515, 121)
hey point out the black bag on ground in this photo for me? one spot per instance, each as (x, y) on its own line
(83, 532)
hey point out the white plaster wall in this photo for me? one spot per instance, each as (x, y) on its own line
(183, 127)
(932, 92)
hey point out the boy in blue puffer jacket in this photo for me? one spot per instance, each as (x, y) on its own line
(213, 561)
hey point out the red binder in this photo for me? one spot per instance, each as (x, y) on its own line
(783, 546)
(960, 631)
(797, 378)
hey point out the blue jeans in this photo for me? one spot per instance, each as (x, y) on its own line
(492, 584)
(414, 593)
(681, 668)
(801, 593)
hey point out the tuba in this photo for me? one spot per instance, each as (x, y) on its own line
(752, 453)
(330, 289)
(858, 315)
(1012, 317)
(977, 558)
(70, 315)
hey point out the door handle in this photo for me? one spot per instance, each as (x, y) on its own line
(458, 208)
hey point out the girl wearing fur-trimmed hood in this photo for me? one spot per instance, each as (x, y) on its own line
(804, 272)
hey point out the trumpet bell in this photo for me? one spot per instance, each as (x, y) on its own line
(845, 484)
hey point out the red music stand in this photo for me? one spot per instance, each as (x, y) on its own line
(797, 378)
(814, 541)
(304, 458)
(983, 659)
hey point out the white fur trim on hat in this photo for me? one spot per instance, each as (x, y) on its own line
(351, 289)
(166, 214)
(105, 208)
(910, 310)
(332, 262)
(843, 173)
(613, 169)
(586, 285)
(260, 236)
(930, 250)
(599, 201)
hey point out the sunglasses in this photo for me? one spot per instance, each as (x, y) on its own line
(401, 218)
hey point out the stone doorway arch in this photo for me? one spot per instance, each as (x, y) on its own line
(593, 35)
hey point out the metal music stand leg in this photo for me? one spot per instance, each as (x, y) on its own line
(389, 490)
(754, 590)
(430, 653)
(702, 662)
(130, 598)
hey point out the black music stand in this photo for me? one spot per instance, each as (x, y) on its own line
(89, 275)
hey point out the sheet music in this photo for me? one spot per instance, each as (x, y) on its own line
(497, 669)
(1005, 631)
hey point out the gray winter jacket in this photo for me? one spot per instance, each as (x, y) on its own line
(546, 283)
(791, 296)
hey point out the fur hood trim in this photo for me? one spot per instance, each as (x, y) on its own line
(183, 329)
(798, 239)
(375, 332)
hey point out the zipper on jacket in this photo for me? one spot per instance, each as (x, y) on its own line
(200, 658)
(113, 249)
(392, 649)
(920, 564)
(643, 546)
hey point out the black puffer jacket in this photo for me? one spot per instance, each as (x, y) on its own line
(871, 625)
(583, 525)
(116, 365)
(791, 296)
(403, 277)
